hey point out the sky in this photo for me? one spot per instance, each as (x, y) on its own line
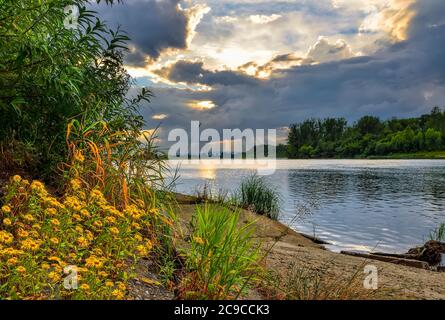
(267, 64)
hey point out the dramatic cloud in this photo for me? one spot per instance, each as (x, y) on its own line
(266, 64)
(403, 79)
(154, 26)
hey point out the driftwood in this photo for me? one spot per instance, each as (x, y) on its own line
(314, 239)
(391, 259)
(430, 252)
(428, 256)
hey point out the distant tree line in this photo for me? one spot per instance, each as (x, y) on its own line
(369, 136)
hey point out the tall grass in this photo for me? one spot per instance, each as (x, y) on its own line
(438, 234)
(302, 283)
(222, 260)
(256, 195)
(206, 193)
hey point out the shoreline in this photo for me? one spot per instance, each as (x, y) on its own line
(285, 247)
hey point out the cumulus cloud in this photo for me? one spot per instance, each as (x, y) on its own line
(324, 51)
(154, 26)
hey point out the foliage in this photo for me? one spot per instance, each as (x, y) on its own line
(51, 74)
(222, 259)
(256, 195)
(369, 136)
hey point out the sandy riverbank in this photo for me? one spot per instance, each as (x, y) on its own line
(289, 247)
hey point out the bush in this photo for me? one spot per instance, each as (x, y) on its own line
(51, 74)
(40, 236)
(222, 259)
(256, 195)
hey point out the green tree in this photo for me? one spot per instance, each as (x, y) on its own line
(50, 74)
(433, 139)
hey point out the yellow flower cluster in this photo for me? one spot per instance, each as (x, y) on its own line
(40, 236)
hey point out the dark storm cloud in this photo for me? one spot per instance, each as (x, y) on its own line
(404, 79)
(194, 72)
(152, 25)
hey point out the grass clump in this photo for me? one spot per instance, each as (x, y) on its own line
(222, 261)
(438, 234)
(256, 195)
(206, 193)
(303, 283)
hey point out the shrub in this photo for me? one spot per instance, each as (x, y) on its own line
(40, 236)
(222, 259)
(51, 74)
(256, 195)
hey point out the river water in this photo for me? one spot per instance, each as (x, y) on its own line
(383, 205)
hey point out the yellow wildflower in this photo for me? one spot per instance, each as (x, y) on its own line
(109, 284)
(7, 222)
(36, 226)
(54, 241)
(16, 178)
(45, 266)
(28, 217)
(29, 244)
(76, 184)
(98, 224)
(114, 230)
(39, 187)
(55, 222)
(51, 211)
(54, 276)
(12, 261)
(6, 237)
(85, 213)
(85, 287)
(6, 209)
(111, 220)
(118, 294)
(121, 286)
(22, 233)
(82, 242)
(141, 250)
(21, 269)
(198, 240)
(94, 262)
